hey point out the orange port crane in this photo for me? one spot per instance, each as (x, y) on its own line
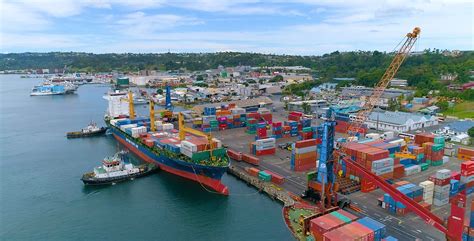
(451, 229)
(380, 87)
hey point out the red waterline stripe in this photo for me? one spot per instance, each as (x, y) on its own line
(214, 184)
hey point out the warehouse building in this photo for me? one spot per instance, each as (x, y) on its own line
(399, 121)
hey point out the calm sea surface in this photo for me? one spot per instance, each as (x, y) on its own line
(42, 197)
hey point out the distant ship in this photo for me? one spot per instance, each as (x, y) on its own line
(48, 89)
(116, 169)
(52, 88)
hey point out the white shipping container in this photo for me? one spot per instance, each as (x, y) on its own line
(443, 174)
(305, 149)
(187, 153)
(400, 142)
(261, 148)
(374, 136)
(382, 163)
(440, 202)
(124, 127)
(265, 141)
(467, 179)
(238, 111)
(441, 195)
(445, 159)
(186, 145)
(158, 123)
(427, 184)
(384, 170)
(168, 126)
(442, 189)
(412, 170)
(429, 201)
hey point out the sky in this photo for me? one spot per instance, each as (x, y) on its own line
(301, 27)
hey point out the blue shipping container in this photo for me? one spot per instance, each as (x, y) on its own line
(378, 228)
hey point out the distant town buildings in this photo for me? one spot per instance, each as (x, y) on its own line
(362, 93)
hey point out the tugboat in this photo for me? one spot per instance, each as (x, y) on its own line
(91, 130)
(117, 169)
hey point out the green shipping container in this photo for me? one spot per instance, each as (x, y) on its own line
(251, 132)
(310, 176)
(262, 175)
(341, 217)
(392, 155)
(424, 166)
(307, 129)
(439, 140)
(437, 147)
(437, 163)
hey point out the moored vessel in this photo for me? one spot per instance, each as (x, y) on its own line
(91, 130)
(117, 169)
(184, 151)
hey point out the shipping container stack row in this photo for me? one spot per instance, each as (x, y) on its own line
(277, 130)
(266, 176)
(263, 147)
(261, 131)
(166, 137)
(227, 117)
(442, 187)
(341, 225)
(412, 191)
(373, 158)
(304, 155)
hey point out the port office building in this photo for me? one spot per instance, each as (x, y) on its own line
(398, 121)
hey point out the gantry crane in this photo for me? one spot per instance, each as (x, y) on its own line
(452, 230)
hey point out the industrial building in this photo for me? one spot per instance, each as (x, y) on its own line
(361, 92)
(314, 104)
(399, 121)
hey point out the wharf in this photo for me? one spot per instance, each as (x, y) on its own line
(275, 192)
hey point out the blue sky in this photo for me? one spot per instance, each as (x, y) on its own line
(284, 27)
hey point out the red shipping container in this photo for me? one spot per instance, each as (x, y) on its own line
(378, 154)
(253, 171)
(296, 113)
(306, 167)
(439, 182)
(250, 159)
(367, 186)
(293, 117)
(277, 179)
(455, 175)
(418, 199)
(305, 143)
(234, 155)
(277, 124)
(320, 225)
(400, 183)
(265, 152)
(398, 171)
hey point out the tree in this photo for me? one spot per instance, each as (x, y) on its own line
(277, 78)
(443, 105)
(306, 107)
(393, 105)
(199, 78)
(159, 91)
(470, 132)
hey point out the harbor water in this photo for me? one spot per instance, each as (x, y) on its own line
(43, 198)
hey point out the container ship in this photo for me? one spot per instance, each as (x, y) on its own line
(185, 152)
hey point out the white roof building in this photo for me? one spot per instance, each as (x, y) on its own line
(399, 121)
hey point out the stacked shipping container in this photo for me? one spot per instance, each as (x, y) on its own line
(304, 155)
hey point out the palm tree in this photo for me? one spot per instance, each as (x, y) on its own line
(306, 107)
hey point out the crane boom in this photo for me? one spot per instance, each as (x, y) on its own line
(379, 88)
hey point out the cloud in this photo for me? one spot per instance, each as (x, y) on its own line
(139, 23)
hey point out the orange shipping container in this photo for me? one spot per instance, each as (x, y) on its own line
(313, 154)
(465, 151)
(253, 171)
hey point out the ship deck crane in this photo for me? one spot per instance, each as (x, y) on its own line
(183, 129)
(451, 230)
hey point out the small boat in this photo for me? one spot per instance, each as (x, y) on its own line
(117, 169)
(91, 130)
